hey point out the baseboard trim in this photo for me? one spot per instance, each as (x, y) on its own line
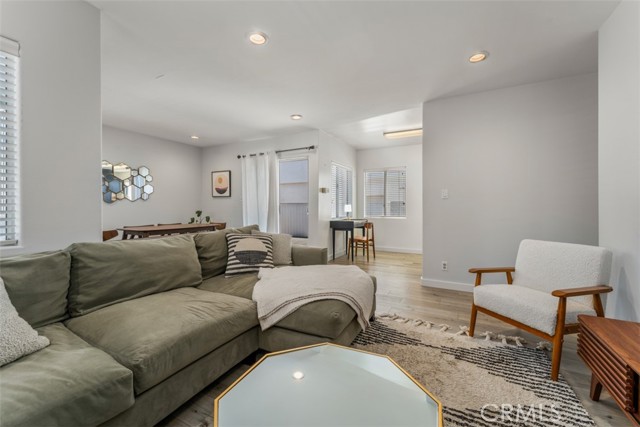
(400, 250)
(343, 252)
(442, 284)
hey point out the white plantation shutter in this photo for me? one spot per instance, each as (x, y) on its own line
(9, 139)
(341, 189)
(385, 192)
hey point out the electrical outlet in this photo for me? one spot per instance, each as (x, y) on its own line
(444, 193)
(445, 266)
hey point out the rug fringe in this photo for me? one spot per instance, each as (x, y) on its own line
(464, 330)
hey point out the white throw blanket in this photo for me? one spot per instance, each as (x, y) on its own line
(281, 291)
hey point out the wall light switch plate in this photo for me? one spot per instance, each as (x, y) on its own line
(444, 194)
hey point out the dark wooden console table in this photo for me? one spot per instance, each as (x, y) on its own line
(346, 225)
(611, 349)
(161, 230)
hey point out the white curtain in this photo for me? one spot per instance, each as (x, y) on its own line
(260, 191)
(273, 217)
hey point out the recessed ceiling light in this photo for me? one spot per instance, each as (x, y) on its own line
(478, 57)
(403, 133)
(296, 116)
(258, 38)
(195, 137)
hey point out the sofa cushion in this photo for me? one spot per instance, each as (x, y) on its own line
(247, 229)
(281, 247)
(68, 383)
(533, 308)
(17, 337)
(157, 335)
(325, 318)
(308, 255)
(240, 285)
(37, 285)
(248, 253)
(212, 252)
(110, 272)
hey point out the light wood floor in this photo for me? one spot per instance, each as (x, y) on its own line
(400, 291)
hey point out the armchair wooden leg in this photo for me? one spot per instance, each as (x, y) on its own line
(556, 356)
(558, 339)
(472, 322)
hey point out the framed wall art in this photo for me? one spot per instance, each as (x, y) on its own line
(221, 183)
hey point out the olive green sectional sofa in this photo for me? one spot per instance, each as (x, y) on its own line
(138, 327)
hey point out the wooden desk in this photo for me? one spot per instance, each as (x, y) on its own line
(611, 349)
(346, 225)
(159, 230)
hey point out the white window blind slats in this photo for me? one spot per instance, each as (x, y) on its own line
(396, 191)
(385, 193)
(374, 193)
(9, 140)
(341, 190)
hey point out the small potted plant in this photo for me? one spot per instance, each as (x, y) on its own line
(198, 219)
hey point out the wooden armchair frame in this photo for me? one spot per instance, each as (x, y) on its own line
(561, 328)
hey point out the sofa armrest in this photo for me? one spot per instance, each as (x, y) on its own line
(308, 255)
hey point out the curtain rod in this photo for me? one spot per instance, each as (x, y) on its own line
(311, 147)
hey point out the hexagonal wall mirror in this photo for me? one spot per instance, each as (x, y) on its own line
(122, 182)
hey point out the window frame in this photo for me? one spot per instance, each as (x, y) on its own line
(386, 202)
(10, 152)
(333, 191)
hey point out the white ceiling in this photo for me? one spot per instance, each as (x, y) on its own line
(354, 69)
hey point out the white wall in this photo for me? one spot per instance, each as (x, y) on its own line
(396, 234)
(619, 155)
(224, 157)
(61, 121)
(333, 150)
(519, 162)
(176, 170)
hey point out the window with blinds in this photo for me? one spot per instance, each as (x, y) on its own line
(341, 190)
(385, 192)
(9, 139)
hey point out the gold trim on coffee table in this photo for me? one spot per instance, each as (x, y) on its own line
(276, 353)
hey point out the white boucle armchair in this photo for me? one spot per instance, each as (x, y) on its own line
(536, 296)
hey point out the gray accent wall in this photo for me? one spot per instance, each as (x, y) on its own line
(519, 162)
(619, 155)
(176, 171)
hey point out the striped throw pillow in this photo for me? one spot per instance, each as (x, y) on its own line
(248, 253)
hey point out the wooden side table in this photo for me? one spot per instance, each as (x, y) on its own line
(611, 349)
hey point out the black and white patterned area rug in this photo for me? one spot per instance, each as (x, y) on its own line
(479, 382)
